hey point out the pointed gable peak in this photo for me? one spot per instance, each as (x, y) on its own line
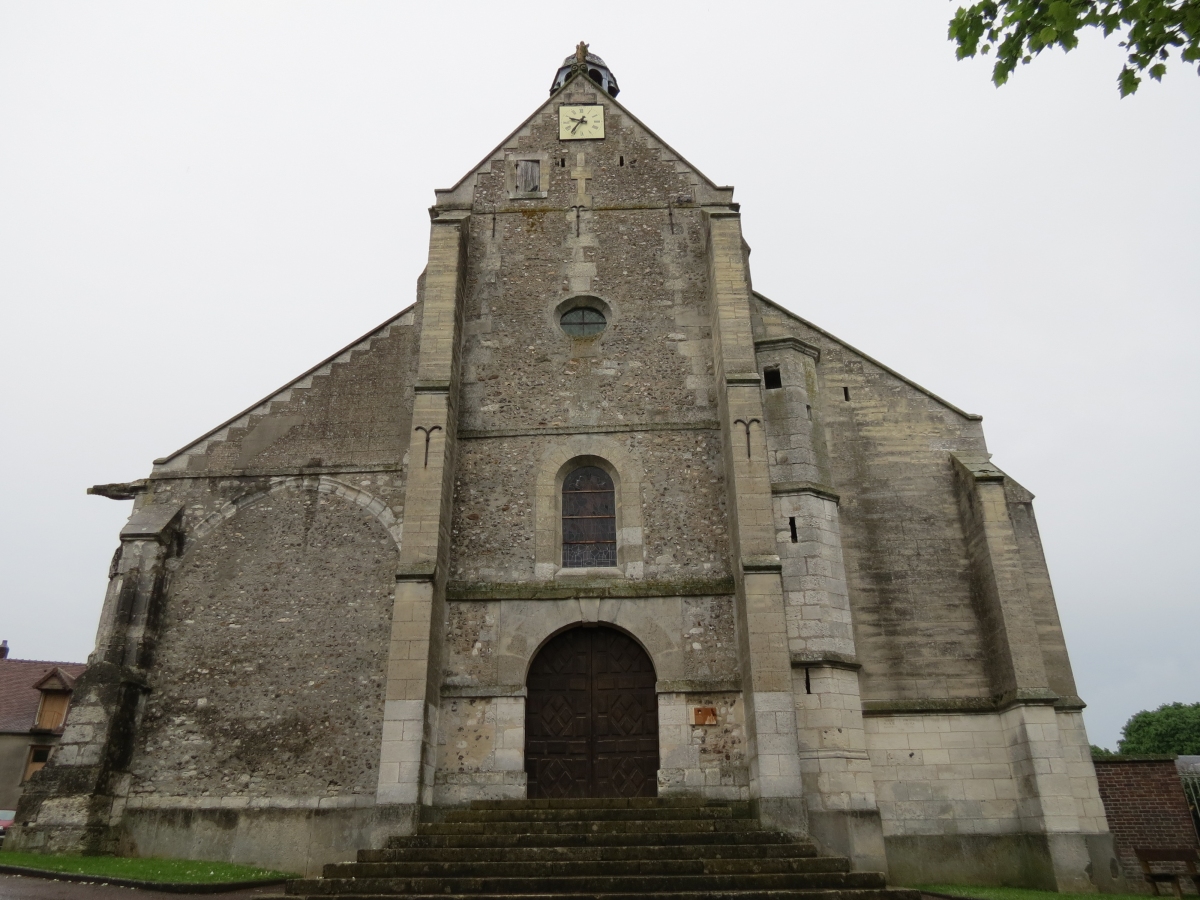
(582, 79)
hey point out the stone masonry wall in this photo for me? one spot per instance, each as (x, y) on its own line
(916, 631)
(616, 221)
(958, 774)
(1146, 810)
(268, 683)
(491, 643)
(354, 410)
(685, 532)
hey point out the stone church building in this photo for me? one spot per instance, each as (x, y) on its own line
(590, 518)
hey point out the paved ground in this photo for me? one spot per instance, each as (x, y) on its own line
(21, 887)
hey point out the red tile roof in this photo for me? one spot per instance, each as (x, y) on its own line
(18, 697)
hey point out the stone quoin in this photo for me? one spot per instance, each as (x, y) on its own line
(804, 585)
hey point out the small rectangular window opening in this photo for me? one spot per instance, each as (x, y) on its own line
(529, 176)
(792, 525)
(38, 757)
(771, 378)
(846, 393)
(807, 683)
(621, 162)
(808, 410)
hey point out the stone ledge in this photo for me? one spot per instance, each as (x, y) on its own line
(152, 522)
(757, 565)
(784, 488)
(699, 686)
(348, 801)
(788, 343)
(616, 589)
(424, 571)
(965, 705)
(743, 379)
(804, 659)
(484, 690)
(285, 472)
(624, 428)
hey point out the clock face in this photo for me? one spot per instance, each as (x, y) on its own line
(577, 123)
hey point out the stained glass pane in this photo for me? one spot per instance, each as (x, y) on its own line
(589, 523)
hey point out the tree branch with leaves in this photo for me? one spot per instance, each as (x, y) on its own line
(1018, 30)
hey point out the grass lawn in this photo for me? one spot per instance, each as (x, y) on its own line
(177, 871)
(1007, 893)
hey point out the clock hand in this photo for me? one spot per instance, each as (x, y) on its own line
(580, 121)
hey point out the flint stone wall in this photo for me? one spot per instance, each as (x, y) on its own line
(268, 682)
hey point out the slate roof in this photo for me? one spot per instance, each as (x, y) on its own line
(19, 698)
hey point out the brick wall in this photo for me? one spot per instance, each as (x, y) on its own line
(1146, 809)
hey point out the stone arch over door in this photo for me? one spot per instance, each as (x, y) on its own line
(591, 717)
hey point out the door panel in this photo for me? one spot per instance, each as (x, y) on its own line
(591, 718)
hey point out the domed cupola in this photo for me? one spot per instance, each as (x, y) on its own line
(591, 65)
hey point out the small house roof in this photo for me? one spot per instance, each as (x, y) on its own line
(20, 693)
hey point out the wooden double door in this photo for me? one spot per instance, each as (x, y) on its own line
(591, 718)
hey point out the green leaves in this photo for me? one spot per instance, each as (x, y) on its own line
(1172, 728)
(1019, 30)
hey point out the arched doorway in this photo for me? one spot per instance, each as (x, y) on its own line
(591, 717)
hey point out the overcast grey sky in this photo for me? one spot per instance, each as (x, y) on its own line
(198, 201)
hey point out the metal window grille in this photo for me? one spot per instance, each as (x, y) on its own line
(1191, 790)
(589, 519)
(583, 321)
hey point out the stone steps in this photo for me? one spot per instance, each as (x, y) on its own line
(884, 894)
(601, 814)
(581, 868)
(590, 803)
(603, 884)
(646, 849)
(593, 839)
(779, 846)
(578, 826)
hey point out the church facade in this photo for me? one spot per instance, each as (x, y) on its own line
(592, 517)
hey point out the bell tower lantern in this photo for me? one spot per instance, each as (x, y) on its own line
(591, 65)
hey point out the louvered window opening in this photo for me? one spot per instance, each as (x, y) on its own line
(529, 176)
(589, 519)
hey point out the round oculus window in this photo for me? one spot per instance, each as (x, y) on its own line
(583, 321)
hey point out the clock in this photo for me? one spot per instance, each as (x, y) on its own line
(576, 123)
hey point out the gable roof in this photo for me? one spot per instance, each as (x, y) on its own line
(974, 417)
(300, 381)
(446, 196)
(57, 679)
(19, 694)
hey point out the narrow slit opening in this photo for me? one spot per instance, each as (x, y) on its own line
(621, 161)
(808, 410)
(846, 393)
(792, 526)
(807, 682)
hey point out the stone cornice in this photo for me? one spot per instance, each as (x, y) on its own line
(787, 488)
(788, 343)
(617, 588)
(803, 659)
(632, 427)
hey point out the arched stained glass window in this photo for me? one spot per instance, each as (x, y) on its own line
(589, 519)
